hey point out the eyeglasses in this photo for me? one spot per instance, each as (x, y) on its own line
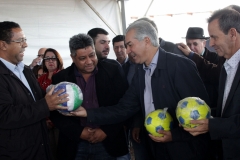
(20, 41)
(48, 59)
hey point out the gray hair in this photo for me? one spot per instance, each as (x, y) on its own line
(150, 21)
(227, 19)
(144, 29)
(80, 41)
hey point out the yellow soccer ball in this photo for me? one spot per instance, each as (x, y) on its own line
(158, 120)
(192, 108)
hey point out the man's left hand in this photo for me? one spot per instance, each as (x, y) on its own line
(167, 136)
(200, 129)
(98, 135)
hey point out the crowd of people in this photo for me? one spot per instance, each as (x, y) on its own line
(149, 73)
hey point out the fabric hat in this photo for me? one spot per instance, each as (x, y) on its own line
(195, 33)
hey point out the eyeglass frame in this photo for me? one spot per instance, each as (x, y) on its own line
(53, 59)
(20, 41)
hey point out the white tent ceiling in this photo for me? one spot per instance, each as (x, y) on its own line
(50, 23)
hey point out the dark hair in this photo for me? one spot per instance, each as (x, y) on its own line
(36, 69)
(119, 38)
(79, 41)
(227, 19)
(235, 7)
(95, 31)
(59, 60)
(6, 30)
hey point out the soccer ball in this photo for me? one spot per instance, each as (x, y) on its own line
(75, 96)
(192, 108)
(158, 120)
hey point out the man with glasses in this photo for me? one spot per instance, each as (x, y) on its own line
(38, 60)
(23, 108)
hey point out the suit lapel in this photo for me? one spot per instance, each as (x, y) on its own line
(222, 81)
(141, 80)
(233, 88)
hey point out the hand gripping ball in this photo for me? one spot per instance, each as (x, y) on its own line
(159, 119)
(192, 108)
(75, 95)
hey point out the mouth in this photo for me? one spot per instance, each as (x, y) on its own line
(106, 52)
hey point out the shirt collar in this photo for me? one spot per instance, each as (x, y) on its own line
(233, 61)
(203, 52)
(153, 63)
(11, 66)
(78, 74)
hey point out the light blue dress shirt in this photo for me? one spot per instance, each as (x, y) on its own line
(18, 71)
(148, 98)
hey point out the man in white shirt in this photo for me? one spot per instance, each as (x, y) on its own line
(224, 30)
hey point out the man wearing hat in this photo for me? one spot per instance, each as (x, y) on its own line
(196, 41)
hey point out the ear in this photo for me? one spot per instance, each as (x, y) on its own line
(233, 33)
(147, 40)
(204, 42)
(3, 45)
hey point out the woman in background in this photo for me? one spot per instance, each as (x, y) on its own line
(52, 63)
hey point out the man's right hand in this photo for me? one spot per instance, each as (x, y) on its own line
(35, 62)
(80, 112)
(135, 134)
(184, 48)
(85, 135)
(53, 100)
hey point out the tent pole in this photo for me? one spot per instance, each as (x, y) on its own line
(123, 16)
(104, 21)
(148, 8)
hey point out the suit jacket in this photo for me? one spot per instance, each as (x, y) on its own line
(212, 57)
(226, 125)
(174, 78)
(110, 87)
(23, 130)
(170, 47)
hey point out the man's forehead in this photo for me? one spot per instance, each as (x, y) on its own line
(18, 32)
(102, 37)
(129, 36)
(194, 40)
(118, 43)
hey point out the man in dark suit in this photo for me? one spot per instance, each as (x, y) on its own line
(196, 41)
(102, 85)
(23, 107)
(161, 80)
(224, 30)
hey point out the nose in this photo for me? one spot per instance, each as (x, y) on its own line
(89, 60)
(25, 44)
(106, 45)
(118, 49)
(211, 42)
(191, 46)
(128, 50)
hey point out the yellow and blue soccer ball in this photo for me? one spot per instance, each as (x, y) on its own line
(158, 120)
(192, 108)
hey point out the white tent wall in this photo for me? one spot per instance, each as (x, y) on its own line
(50, 23)
(173, 17)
